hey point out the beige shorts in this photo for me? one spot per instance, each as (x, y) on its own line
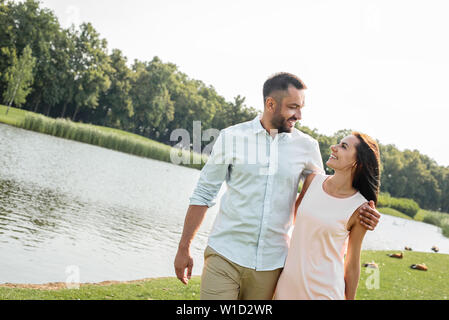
(225, 280)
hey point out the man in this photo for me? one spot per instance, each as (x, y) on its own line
(262, 162)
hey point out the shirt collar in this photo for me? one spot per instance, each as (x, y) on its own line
(257, 127)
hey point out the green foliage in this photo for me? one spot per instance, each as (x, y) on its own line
(445, 230)
(30, 25)
(106, 138)
(394, 212)
(407, 206)
(18, 76)
(432, 220)
(92, 66)
(439, 219)
(115, 107)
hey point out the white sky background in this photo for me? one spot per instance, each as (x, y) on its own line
(379, 67)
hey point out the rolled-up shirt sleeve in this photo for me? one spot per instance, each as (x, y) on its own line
(212, 176)
(314, 163)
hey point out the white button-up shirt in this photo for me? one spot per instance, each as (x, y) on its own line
(262, 175)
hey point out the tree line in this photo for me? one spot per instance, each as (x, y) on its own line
(71, 73)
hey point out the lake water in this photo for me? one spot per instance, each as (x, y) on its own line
(68, 206)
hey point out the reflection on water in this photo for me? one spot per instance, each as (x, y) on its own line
(115, 216)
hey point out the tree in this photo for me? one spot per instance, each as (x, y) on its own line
(6, 40)
(115, 105)
(153, 106)
(91, 65)
(68, 69)
(19, 77)
(38, 28)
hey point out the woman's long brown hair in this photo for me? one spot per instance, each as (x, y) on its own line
(367, 174)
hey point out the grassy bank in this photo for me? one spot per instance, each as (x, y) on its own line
(105, 137)
(394, 280)
(439, 219)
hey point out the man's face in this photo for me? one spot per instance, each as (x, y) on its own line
(287, 109)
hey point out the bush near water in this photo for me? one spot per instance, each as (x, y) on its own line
(108, 138)
(407, 206)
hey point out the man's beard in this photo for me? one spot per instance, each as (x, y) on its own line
(280, 123)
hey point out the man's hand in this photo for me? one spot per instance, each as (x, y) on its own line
(369, 216)
(183, 261)
(194, 218)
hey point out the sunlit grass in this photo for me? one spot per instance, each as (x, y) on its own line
(394, 280)
(394, 212)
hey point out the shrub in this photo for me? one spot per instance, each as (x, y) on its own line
(106, 138)
(394, 212)
(445, 229)
(432, 220)
(406, 206)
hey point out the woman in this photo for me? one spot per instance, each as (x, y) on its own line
(327, 224)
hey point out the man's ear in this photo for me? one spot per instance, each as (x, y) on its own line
(270, 104)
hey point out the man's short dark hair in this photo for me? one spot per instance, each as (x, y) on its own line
(280, 82)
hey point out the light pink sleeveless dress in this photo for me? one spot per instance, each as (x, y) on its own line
(314, 269)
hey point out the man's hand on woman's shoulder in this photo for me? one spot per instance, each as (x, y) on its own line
(369, 216)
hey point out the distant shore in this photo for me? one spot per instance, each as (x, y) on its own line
(105, 137)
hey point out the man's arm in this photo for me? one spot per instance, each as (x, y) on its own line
(194, 217)
(305, 186)
(211, 178)
(314, 163)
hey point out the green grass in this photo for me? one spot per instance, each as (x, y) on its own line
(157, 289)
(394, 212)
(105, 137)
(14, 117)
(406, 206)
(395, 280)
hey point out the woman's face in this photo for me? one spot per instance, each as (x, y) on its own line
(344, 155)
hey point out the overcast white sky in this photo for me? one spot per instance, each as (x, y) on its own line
(380, 67)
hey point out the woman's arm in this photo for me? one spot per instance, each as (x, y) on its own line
(352, 261)
(305, 186)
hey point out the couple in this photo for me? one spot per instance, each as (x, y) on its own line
(250, 255)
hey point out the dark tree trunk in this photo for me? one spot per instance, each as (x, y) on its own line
(75, 113)
(64, 109)
(38, 100)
